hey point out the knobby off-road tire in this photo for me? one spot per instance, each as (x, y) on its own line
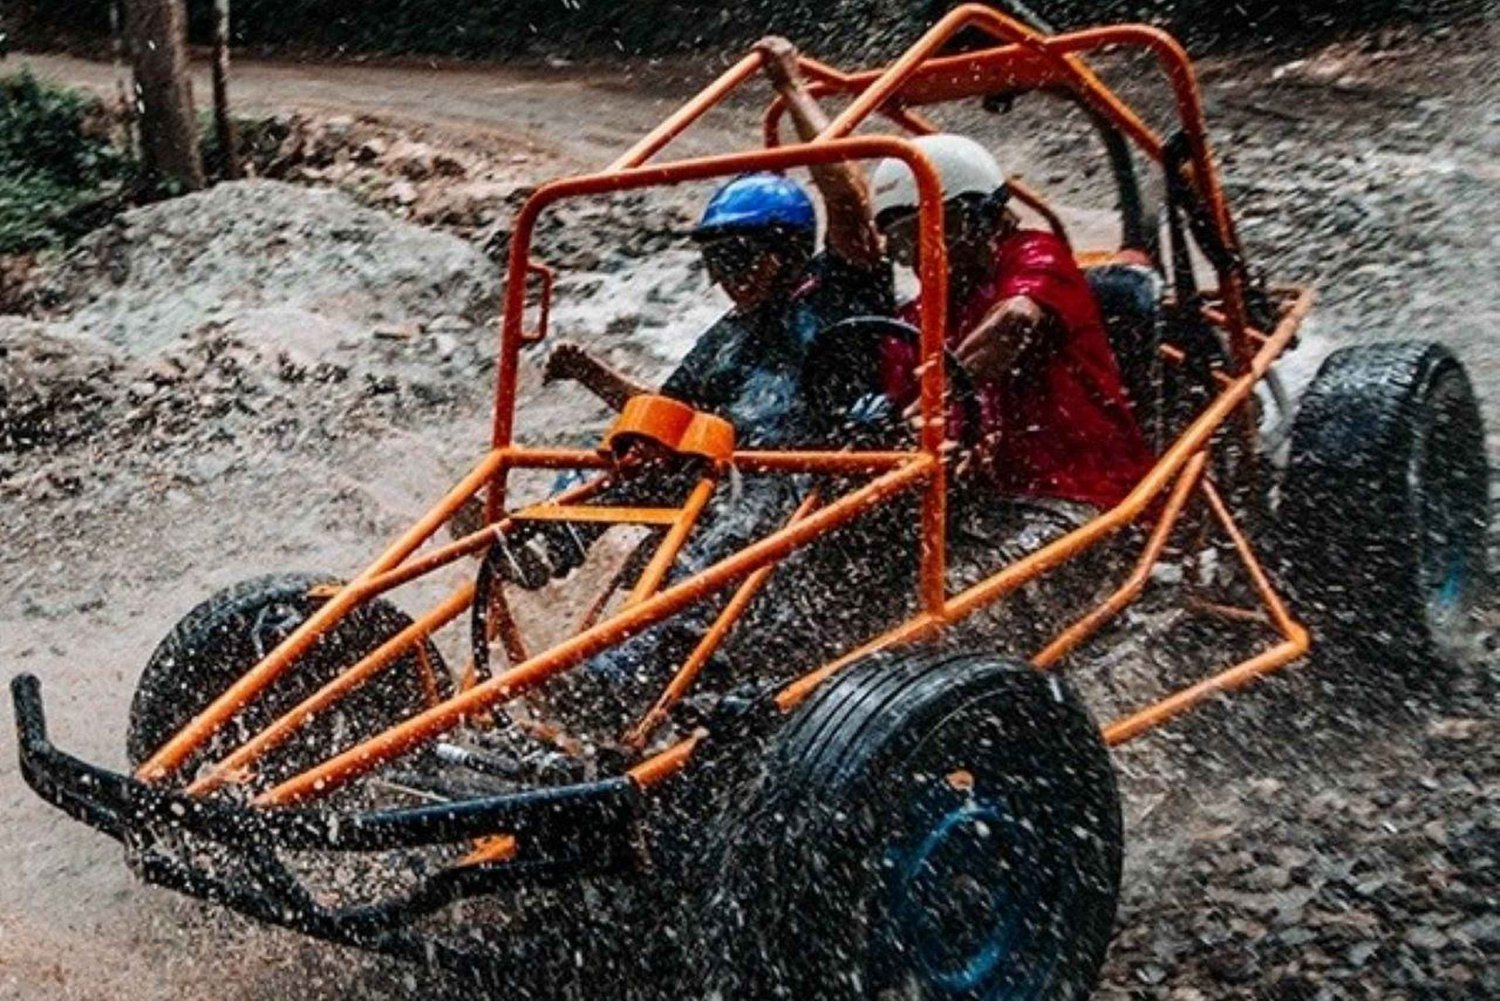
(1385, 504)
(226, 635)
(934, 825)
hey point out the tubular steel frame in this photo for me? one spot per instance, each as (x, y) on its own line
(1024, 59)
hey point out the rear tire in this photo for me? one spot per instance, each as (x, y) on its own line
(927, 826)
(1386, 501)
(226, 635)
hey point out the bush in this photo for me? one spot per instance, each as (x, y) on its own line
(56, 162)
(494, 29)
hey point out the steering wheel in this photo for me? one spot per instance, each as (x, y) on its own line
(841, 374)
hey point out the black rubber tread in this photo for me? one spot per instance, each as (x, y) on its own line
(785, 921)
(1351, 509)
(212, 646)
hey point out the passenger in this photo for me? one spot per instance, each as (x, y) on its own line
(758, 239)
(758, 235)
(1057, 440)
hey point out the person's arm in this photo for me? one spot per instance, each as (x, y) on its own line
(846, 194)
(571, 361)
(1010, 329)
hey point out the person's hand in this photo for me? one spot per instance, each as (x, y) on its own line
(780, 63)
(992, 348)
(565, 362)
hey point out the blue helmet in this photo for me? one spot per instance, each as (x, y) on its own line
(759, 201)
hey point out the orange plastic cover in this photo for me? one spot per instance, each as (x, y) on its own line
(674, 425)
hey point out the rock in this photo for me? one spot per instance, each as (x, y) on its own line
(1269, 877)
(401, 192)
(1482, 932)
(1426, 937)
(1455, 729)
(1234, 964)
(447, 164)
(1151, 974)
(414, 160)
(253, 245)
(471, 203)
(371, 150)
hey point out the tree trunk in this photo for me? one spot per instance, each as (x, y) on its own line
(223, 124)
(157, 33)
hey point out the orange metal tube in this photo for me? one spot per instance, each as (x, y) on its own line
(934, 267)
(1087, 626)
(686, 675)
(1294, 646)
(1007, 29)
(820, 462)
(672, 543)
(507, 627)
(357, 761)
(558, 458)
(689, 113)
(1232, 613)
(666, 764)
(1017, 574)
(290, 721)
(187, 740)
(1282, 619)
(1132, 726)
(599, 514)
(827, 80)
(500, 848)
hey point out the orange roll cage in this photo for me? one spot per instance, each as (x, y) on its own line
(1022, 59)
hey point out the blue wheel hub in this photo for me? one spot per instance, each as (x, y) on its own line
(964, 894)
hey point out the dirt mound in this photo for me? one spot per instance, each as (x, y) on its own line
(265, 256)
(52, 390)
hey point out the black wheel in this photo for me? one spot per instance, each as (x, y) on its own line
(222, 638)
(1385, 502)
(935, 825)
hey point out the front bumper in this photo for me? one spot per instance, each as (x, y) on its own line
(565, 832)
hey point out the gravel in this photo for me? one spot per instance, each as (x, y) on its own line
(268, 256)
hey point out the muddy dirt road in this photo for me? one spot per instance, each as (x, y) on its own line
(1274, 851)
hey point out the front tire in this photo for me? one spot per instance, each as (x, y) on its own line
(226, 635)
(1385, 503)
(928, 826)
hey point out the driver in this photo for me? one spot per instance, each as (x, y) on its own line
(1055, 419)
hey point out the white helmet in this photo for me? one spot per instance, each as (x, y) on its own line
(963, 166)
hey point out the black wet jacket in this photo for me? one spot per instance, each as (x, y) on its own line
(745, 368)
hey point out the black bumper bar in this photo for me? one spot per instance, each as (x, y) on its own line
(564, 832)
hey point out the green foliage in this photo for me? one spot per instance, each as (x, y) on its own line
(493, 29)
(56, 163)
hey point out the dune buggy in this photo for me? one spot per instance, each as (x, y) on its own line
(917, 815)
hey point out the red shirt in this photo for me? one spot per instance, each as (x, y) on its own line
(1061, 425)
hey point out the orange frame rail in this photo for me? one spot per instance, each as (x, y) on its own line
(1023, 59)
